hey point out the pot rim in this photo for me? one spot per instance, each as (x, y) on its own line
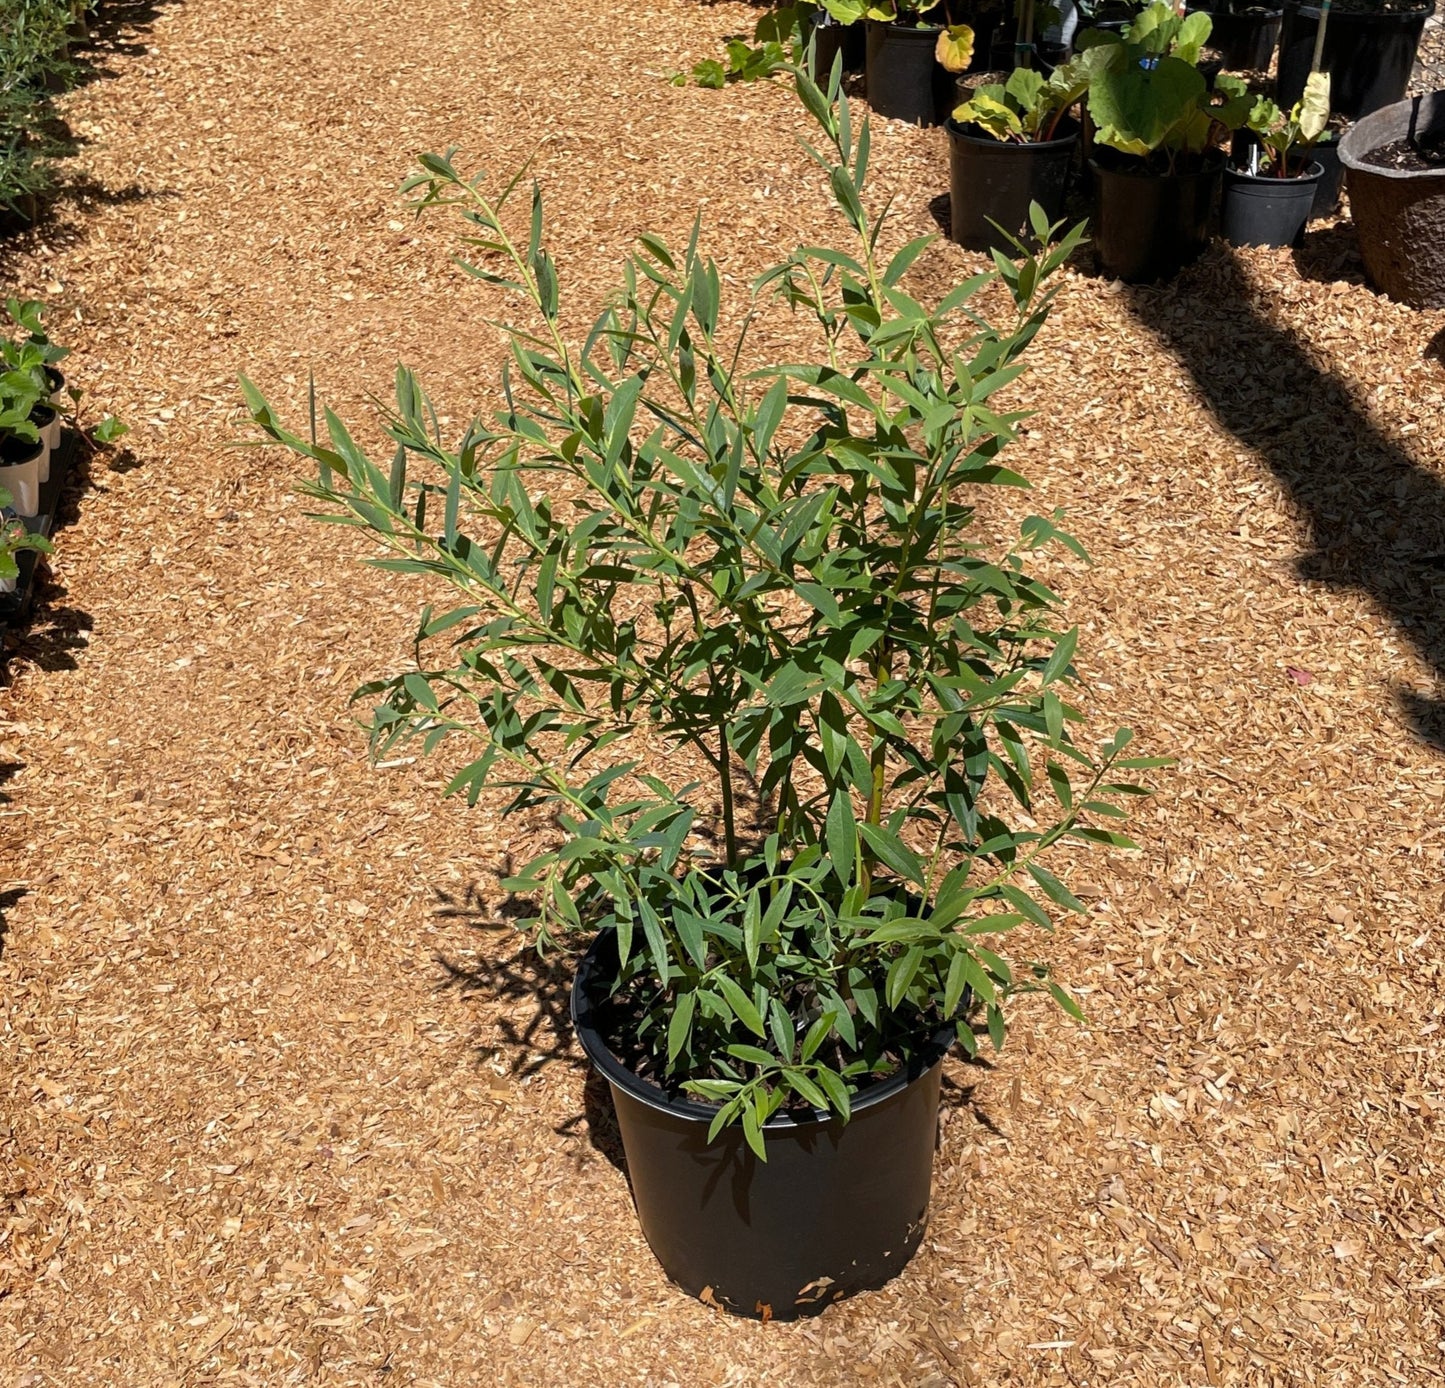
(1386, 125)
(582, 1008)
(1266, 14)
(1214, 161)
(1313, 174)
(897, 26)
(1383, 18)
(957, 130)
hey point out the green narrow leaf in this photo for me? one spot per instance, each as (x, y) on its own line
(805, 1087)
(1059, 779)
(753, 1131)
(1054, 889)
(841, 832)
(956, 982)
(893, 853)
(996, 1026)
(817, 1033)
(1065, 1001)
(679, 1028)
(1063, 653)
(837, 1092)
(741, 1004)
(396, 484)
(901, 973)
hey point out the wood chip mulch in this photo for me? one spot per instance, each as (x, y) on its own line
(253, 1130)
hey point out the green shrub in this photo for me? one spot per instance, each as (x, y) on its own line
(805, 735)
(33, 58)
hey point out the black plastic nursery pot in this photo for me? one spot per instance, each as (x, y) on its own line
(1245, 38)
(1325, 152)
(837, 1208)
(1148, 226)
(829, 39)
(1327, 191)
(904, 79)
(1259, 211)
(991, 181)
(1399, 213)
(1369, 54)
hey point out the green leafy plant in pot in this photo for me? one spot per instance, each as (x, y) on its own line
(24, 451)
(803, 741)
(1011, 146)
(1156, 162)
(31, 353)
(912, 48)
(1269, 188)
(15, 539)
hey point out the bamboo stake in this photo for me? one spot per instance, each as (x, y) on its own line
(1320, 37)
(1024, 43)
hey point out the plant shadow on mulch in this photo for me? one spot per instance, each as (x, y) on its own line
(1375, 518)
(543, 1034)
(1331, 254)
(109, 40)
(523, 974)
(14, 895)
(91, 61)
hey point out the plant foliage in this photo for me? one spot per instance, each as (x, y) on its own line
(805, 736)
(1282, 137)
(1029, 106)
(1147, 96)
(918, 13)
(33, 57)
(13, 539)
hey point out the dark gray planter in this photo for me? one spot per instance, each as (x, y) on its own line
(1258, 211)
(1399, 213)
(904, 80)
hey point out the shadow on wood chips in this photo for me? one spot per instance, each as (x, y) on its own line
(545, 1035)
(1375, 518)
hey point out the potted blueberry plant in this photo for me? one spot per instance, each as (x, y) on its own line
(805, 742)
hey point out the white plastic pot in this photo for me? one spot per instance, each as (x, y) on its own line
(59, 396)
(50, 437)
(21, 478)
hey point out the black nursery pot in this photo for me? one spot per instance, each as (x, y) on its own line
(1256, 211)
(1245, 40)
(829, 39)
(1148, 226)
(1369, 55)
(1325, 152)
(993, 181)
(904, 79)
(836, 1208)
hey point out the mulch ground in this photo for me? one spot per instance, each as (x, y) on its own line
(285, 1104)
